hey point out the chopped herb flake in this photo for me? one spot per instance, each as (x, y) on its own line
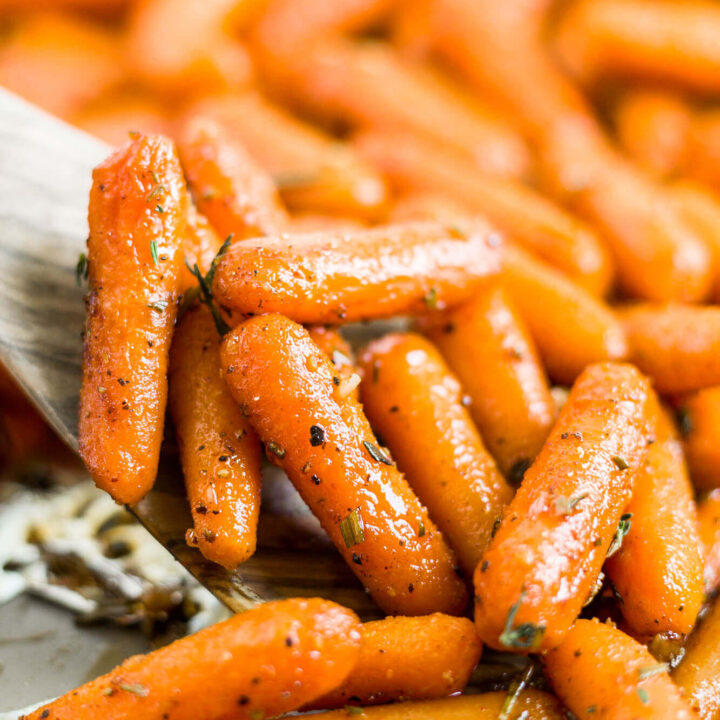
(158, 305)
(82, 269)
(421, 529)
(376, 454)
(643, 695)
(154, 251)
(431, 299)
(525, 636)
(352, 528)
(620, 462)
(622, 530)
(135, 688)
(353, 710)
(564, 506)
(650, 670)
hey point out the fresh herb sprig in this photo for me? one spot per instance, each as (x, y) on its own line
(205, 286)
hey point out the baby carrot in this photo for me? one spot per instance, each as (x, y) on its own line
(413, 164)
(137, 215)
(307, 418)
(703, 151)
(200, 247)
(266, 661)
(658, 570)
(413, 400)
(404, 658)
(313, 171)
(220, 454)
(698, 673)
(487, 346)
(677, 345)
(338, 349)
(700, 414)
(600, 672)
(341, 276)
(708, 511)
(236, 196)
(541, 565)
(570, 327)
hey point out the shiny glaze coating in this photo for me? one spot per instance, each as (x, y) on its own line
(323, 441)
(338, 349)
(409, 658)
(708, 512)
(413, 164)
(413, 401)
(598, 666)
(658, 570)
(238, 197)
(570, 327)
(266, 661)
(138, 201)
(339, 276)
(200, 246)
(554, 535)
(678, 346)
(487, 346)
(220, 453)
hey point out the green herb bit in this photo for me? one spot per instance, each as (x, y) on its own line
(159, 208)
(205, 285)
(525, 636)
(158, 306)
(596, 588)
(276, 449)
(591, 709)
(352, 528)
(620, 462)
(431, 299)
(353, 710)
(82, 269)
(564, 506)
(157, 190)
(643, 695)
(650, 670)
(421, 529)
(376, 454)
(622, 530)
(135, 688)
(517, 685)
(154, 251)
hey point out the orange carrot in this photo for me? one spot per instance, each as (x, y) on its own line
(413, 400)
(311, 222)
(678, 346)
(269, 660)
(703, 152)
(598, 671)
(344, 276)
(313, 171)
(543, 561)
(658, 570)
(200, 247)
(698, 674)
(307, 418)
(413, 164)
(672, 41)
(236, 196)
(220, 454)
(708, 511)
(701, 436)
(571, 328)
(404, 658)
(486, 344)
(338, 349)
(138, 210)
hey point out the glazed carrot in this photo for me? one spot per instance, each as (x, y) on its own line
(413, 400)
(672, 41)
(703, 151)
(138, 210)
(653, 128)
(268, 660)
(708, 511)
(701, 436)
(366, 84)
(313, 171)
(658, 570)
(59, 62)
(543, 561)
(338, 349)
(200, 246)
(220, 454)
(698, 673)
(598, 666)
(404, 658)
(236, 196)
(311, 222)
(488, 706)
(487, 346)
(344, 276)
(323, 441)
(413, 164)
(677, 345)
(570, 327)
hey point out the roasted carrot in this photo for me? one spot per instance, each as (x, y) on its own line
(313, 171)
(220, 453)
(236, 196)
(672, 42)
(408, 658)
(653, 126)
(138, 210)
(677, 345)
(703, 151)
(700, 414)
(340, 276)
(307, 418)
(338, 349)
(413, 400)
(487, 346)
(102, 7)
(570, 327)
(598, 671)
(708, 511)
(60, 62)
(200, 246)
(312, 222)
(413, 164)
(658, 570)
(543, 561)
(269, 660)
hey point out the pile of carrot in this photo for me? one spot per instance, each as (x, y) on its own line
(533, 189)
